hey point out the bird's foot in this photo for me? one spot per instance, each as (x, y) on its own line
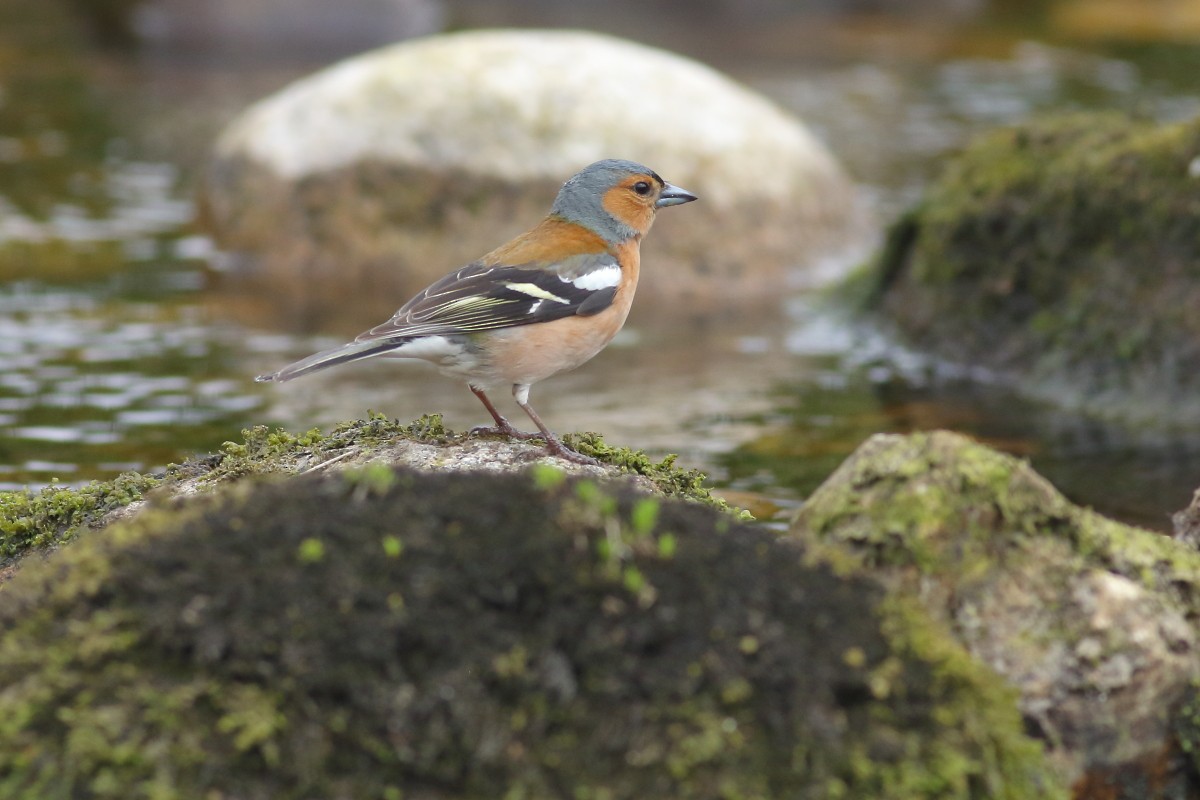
(504, 428)
(557, 448)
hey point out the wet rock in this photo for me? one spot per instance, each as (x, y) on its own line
(1063, 252)
(368, 180)
(387, 633)
(1092, 621)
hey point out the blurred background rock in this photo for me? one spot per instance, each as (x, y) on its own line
(361, 183)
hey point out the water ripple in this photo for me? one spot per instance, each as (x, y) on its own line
(92, 384)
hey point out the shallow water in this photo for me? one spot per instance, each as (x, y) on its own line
(114, 354)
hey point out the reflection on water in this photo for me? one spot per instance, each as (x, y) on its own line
(141, 204)
(107, 362)
(93, 383)
(114, 355)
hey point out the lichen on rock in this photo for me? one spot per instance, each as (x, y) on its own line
(1091, 620)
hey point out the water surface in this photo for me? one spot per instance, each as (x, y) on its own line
(115, 353)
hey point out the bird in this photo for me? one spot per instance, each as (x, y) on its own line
(545, 302)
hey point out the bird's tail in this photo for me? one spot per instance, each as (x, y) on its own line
(331, 358)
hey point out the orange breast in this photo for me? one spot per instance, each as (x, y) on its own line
(530, 353)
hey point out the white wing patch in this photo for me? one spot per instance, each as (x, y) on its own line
(533, 290)
(604, 278)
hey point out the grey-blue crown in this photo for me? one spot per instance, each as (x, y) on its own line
(581, 198)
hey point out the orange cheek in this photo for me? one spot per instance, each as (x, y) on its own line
(628, 208)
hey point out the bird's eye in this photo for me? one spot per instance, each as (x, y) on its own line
(642, 188)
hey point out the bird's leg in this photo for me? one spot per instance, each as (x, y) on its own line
(556, 447)
(503, 427)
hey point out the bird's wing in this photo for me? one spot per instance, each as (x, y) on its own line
(482, 297)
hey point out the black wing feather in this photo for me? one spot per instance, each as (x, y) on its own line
(597, 302)
(480, 298)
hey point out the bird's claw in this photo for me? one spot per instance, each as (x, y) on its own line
(503, 430)
(553, 446)
(557, 448)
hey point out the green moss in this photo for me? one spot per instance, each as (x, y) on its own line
(45, 519)
(951, 506)
(934, 502)
(1029, 250)
(191, 652)
(992, 707)
(1187, 725)
(1157, 562)
(266, 450)
(668, 478)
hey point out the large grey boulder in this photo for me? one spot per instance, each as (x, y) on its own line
(389, 169)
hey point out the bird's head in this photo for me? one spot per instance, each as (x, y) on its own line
(616, 199)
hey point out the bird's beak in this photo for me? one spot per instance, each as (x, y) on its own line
(673, 196)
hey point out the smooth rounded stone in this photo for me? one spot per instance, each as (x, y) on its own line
(379, 174)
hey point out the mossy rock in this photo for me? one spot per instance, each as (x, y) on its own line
(1093, 622)
(386, 634)
(1065, 251)
(42, 521)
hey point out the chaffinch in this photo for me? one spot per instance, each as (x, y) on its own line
(545, 302)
